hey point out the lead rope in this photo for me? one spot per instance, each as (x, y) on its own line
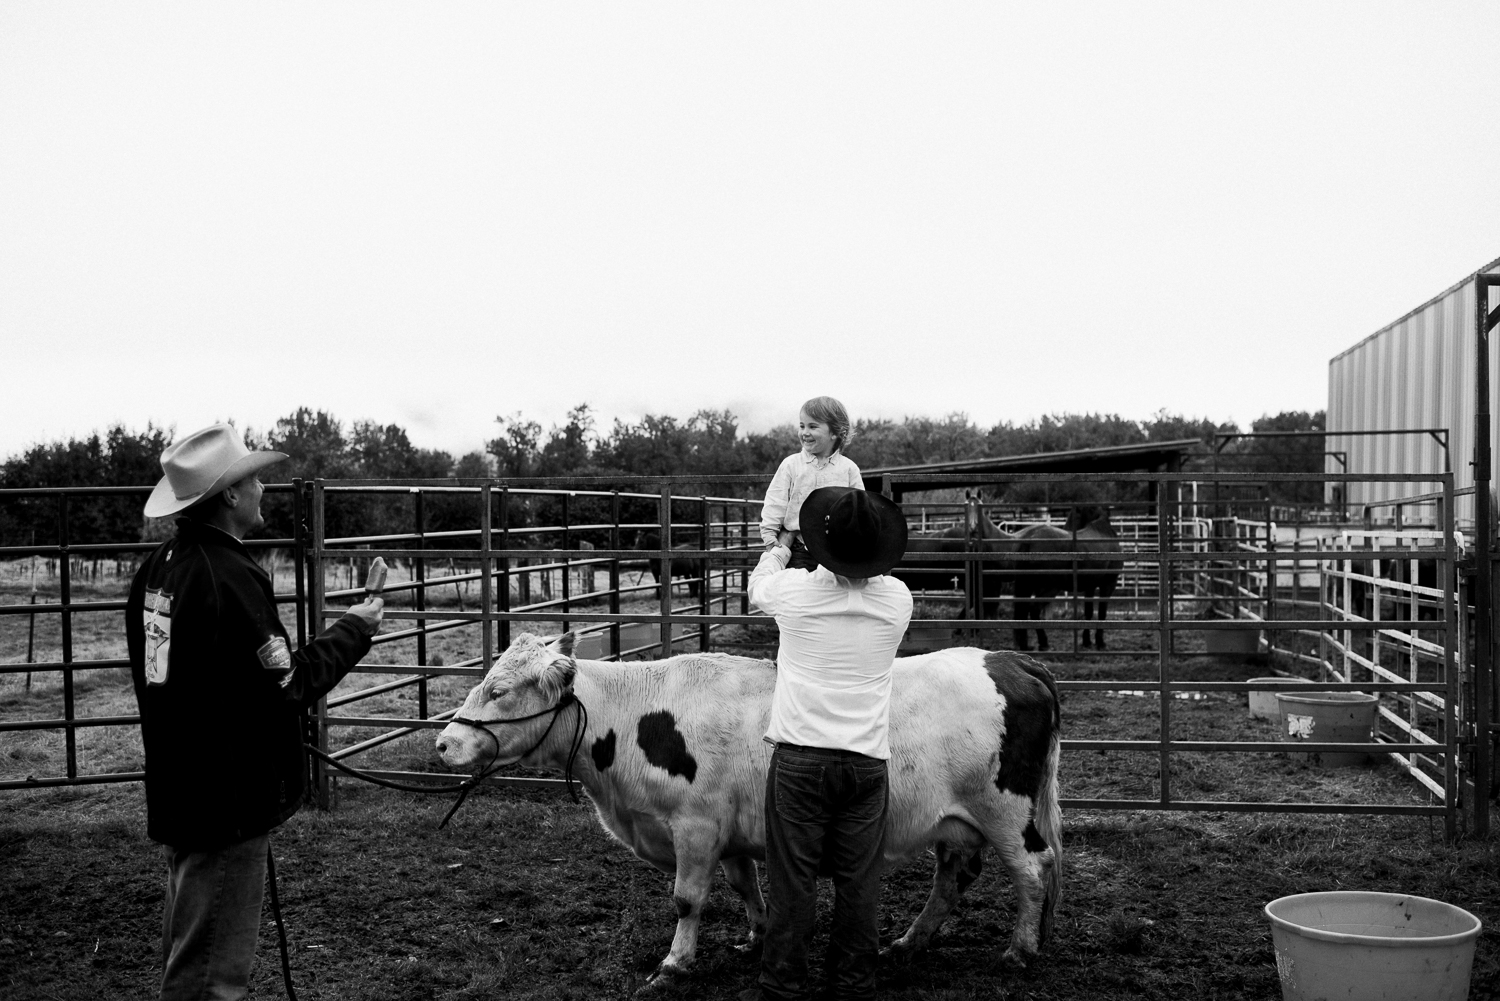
(580, 729)
(286, 964)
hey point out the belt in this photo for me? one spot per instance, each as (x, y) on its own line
(832, 752)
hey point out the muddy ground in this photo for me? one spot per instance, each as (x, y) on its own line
(524, 897)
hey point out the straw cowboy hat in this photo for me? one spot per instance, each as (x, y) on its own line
(853, 533)
(201, 465)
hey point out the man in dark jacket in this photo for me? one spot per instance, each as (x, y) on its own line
(222, 697)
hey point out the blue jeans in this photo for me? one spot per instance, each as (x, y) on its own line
(211, 920)
(825, 815)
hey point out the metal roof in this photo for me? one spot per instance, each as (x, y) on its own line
(1489, 268)
(1112, 459)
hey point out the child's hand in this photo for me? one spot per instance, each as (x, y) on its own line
(786, 537)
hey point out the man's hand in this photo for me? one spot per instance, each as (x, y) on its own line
(369, 613)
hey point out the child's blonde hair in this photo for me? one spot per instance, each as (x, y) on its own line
(831, 412)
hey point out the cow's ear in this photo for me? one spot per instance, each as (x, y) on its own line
(557, 676)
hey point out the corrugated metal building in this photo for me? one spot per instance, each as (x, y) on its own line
(1417, 372)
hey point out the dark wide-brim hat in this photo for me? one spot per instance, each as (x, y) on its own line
(852, 532)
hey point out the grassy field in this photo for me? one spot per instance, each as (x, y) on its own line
(523, 896)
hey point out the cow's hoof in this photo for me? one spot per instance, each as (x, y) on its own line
(665, 981)
(1013, 959)
(899, 953)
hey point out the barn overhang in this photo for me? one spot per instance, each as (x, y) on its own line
(1147, 457)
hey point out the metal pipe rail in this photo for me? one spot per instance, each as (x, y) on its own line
(1178, 567)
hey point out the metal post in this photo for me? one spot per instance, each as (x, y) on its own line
(614, 572)
(321, 778)
(744, 570)
(505, 565)
(664, 579)
(486, 579)
(703, 603)
(567, 563)
(1484, 633)
(1272, 572)
(1163, 641)
(31, 618)
(419, 597)
(70, 733)
(299, 555)
(1325, 612)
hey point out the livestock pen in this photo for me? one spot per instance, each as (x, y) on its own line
(1196, 577)
(522, 894)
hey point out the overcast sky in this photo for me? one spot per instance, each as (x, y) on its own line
(436, 214)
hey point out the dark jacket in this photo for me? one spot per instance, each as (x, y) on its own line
(221, 693)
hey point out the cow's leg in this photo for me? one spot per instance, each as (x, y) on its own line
(949, 878)
(696, 845)
(1029, 859)
(739, 871)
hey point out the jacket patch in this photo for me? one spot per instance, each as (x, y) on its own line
(276, 656)
(158, 618)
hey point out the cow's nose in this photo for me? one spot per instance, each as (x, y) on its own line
(442, 745)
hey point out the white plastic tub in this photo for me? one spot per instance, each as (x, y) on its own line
(1263, 704)
(1376, 946)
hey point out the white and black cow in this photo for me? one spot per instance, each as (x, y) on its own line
(673, 760)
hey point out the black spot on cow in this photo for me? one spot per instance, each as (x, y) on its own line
(603, 751)
(1033, 839)
(663, 743)
(1032, 716)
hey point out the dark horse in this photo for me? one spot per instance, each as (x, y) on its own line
(1097, 579)
(1033, 582)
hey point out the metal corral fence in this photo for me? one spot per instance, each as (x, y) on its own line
(562, 554)
(75, 565)
(1398, 601)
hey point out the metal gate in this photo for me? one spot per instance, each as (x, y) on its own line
(473, 559)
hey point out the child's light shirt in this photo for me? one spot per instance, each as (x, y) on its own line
(833, 665)
(799, 475)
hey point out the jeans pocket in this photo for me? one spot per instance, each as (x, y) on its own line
(870, 791)
(799, 792)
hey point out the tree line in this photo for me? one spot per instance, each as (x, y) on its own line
(707, 444)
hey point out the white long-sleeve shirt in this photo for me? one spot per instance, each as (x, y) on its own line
(838, 642)
(799, 475)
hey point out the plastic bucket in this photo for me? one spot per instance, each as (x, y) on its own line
(1263, 704)
(1328, 717)
(1354, 944)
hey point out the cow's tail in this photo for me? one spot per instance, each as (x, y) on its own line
(1049, 826)
(1048, 811)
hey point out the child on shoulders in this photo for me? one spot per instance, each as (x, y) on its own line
(823, 426)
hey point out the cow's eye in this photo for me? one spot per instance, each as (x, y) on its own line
(498, 693)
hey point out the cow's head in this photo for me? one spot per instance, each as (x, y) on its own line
(529, 678)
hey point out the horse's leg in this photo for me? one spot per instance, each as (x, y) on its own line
(1022, 609)
(1039, 612)
(1088, 611)
(1103, 613)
